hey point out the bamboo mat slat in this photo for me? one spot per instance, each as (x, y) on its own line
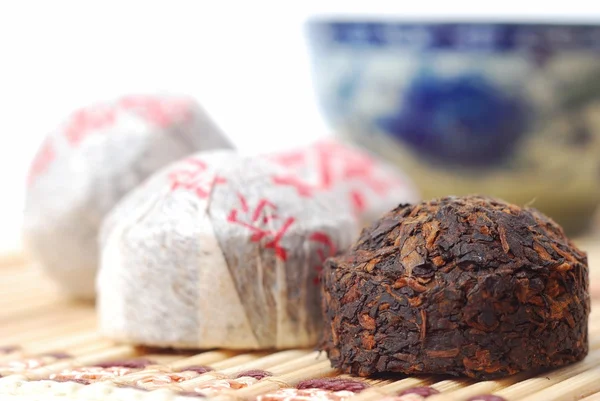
(52, 335)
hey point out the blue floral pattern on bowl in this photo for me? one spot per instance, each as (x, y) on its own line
(463, 120)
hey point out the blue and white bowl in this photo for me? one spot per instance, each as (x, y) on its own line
(509, 110)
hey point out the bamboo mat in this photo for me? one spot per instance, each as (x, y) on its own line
(43, 334)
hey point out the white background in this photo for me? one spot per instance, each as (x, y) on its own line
(245, 61)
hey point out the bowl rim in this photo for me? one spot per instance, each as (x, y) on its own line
(573, 12)
(441, 21)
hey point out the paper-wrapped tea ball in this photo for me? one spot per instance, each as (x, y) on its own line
(366, 186)
(88, 163)
(213, 251)
(467, 286)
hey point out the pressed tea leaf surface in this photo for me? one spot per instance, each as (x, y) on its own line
(463, 286)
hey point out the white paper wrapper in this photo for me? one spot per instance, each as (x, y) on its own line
(364, 185)
(94, 158)
(213, 252)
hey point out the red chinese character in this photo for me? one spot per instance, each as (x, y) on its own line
(338, 163)
(326, 250)
(196, 178)
(304, 188)
(160, 112)
(260, 222)
(86, 120)
(289, 159)
(334, 163)
(358, 201)
(42, 160)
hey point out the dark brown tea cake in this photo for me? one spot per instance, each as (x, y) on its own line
(463, 286)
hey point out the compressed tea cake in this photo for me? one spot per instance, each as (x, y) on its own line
(364, 185)
(213, 252)
(92, 160)
(463, 286)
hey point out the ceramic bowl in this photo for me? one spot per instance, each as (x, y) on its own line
(508, 110)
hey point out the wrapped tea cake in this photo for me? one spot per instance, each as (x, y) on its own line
(94, 158)
(365, 186)
(213, 252)
(462, 286)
